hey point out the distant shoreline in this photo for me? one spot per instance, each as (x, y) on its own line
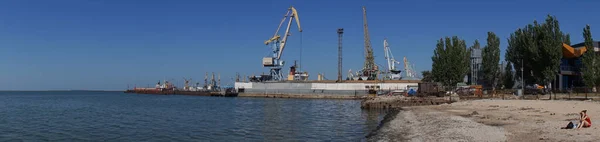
(60, 90)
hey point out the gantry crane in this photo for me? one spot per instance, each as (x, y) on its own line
(370, 69)
(393, 73)
(277, 45)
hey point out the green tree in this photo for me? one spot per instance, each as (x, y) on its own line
(550, 40)
(476, 45)
(450, 62)
(508, 76)
(567, 39)
(490, 60)
(538, 49)
(500, 78)
(426, 76)
(589, 60)
(520, 50)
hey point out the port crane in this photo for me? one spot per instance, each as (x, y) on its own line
(393, 73)
(186, 83)
(278, 44)
(409, 69)
(370, 69)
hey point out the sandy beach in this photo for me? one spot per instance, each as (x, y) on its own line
(491, 120)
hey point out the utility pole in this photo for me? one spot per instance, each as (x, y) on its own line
(340, 32)
(522, 80)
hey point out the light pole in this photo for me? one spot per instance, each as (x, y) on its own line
(522, 80)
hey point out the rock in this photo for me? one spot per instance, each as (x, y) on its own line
(454, 98)
(525, 108)
(475, 113)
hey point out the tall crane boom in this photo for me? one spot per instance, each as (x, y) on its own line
(278, 44)
(392, 72)
(370, 69)
(388, 55)
(292, 13)
(409, 69)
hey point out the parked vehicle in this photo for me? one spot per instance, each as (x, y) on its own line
(533, 89)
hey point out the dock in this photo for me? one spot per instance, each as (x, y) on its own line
(301, 96)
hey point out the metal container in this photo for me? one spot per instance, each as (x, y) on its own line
(267, 61)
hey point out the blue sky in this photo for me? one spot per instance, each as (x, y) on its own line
(84, 44)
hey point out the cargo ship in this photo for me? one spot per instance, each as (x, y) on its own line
(229, 92)
(168, 88)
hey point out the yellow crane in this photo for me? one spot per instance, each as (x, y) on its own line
(277, 44)
(370, 70)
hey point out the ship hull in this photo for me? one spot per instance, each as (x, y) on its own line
(170, 92)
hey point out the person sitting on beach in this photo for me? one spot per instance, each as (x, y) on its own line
(584, 120)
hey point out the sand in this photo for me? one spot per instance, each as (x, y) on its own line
(492, 120)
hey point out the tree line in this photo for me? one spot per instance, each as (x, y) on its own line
(535, 51)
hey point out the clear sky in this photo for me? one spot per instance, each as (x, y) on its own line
(85, 44)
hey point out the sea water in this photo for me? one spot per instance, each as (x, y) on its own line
(115, 116)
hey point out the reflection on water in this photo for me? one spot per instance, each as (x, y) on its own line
(114, 116)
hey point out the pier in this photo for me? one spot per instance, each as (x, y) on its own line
(301, 96)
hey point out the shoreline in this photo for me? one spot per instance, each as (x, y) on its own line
(489, 120)
(389, 116)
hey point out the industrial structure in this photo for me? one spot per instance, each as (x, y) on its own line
(370, 69)
(392, 73)
(365, 82)
(275, 63)
(340, 32)
(411, 74)
(474, 77)
(362, 83)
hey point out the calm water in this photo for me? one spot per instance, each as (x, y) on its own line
(115, 116)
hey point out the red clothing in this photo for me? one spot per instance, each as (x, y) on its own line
(588, 120)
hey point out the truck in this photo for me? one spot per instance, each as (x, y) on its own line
(430, 89)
